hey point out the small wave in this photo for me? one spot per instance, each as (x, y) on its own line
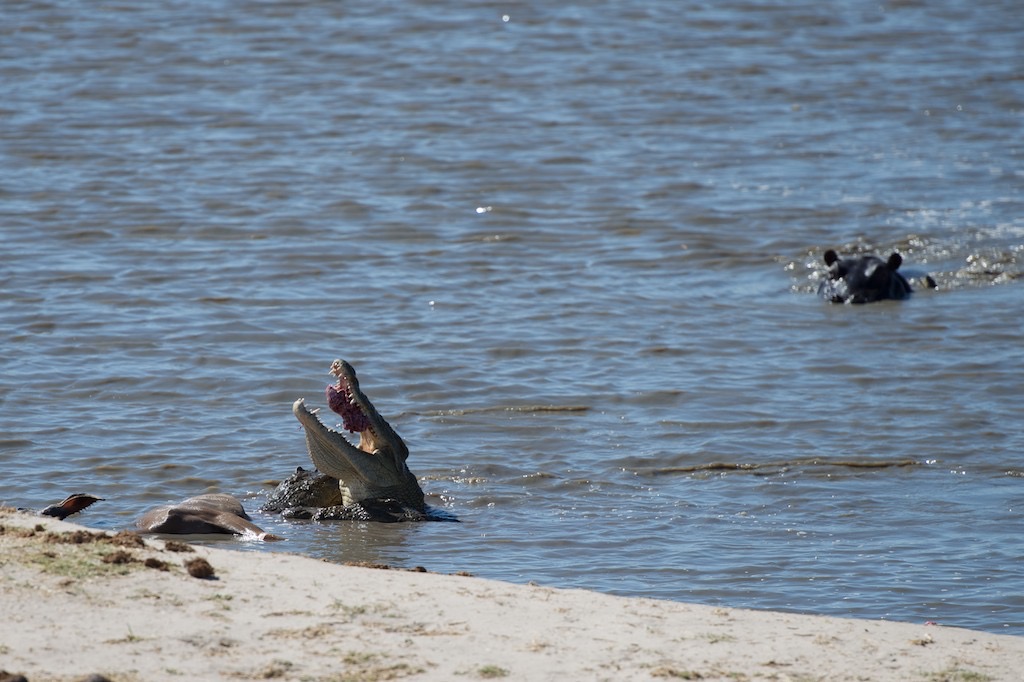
(784, 465)
(506, 408)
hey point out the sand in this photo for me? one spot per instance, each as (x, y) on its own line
(77, 602)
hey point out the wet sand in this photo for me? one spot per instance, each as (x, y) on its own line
(78, 602)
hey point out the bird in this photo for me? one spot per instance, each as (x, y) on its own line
(72, 504)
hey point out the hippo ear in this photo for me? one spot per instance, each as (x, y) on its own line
(895, 261)
(830, 257)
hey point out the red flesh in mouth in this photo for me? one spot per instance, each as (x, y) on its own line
(339, 399)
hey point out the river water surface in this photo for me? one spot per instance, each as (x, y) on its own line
(571, 250)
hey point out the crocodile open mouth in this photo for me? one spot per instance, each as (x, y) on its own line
(358, 415)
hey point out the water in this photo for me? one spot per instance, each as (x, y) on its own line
(571, 252)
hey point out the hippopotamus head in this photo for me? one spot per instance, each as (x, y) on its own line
(863, 279)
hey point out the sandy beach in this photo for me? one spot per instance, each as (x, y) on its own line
(78, 602)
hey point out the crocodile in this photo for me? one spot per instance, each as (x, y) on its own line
(373, 481)
(301, 491)
(865, 279)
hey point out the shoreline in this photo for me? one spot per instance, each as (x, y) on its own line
(78, 602)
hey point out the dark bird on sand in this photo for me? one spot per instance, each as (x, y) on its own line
(72, 504)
